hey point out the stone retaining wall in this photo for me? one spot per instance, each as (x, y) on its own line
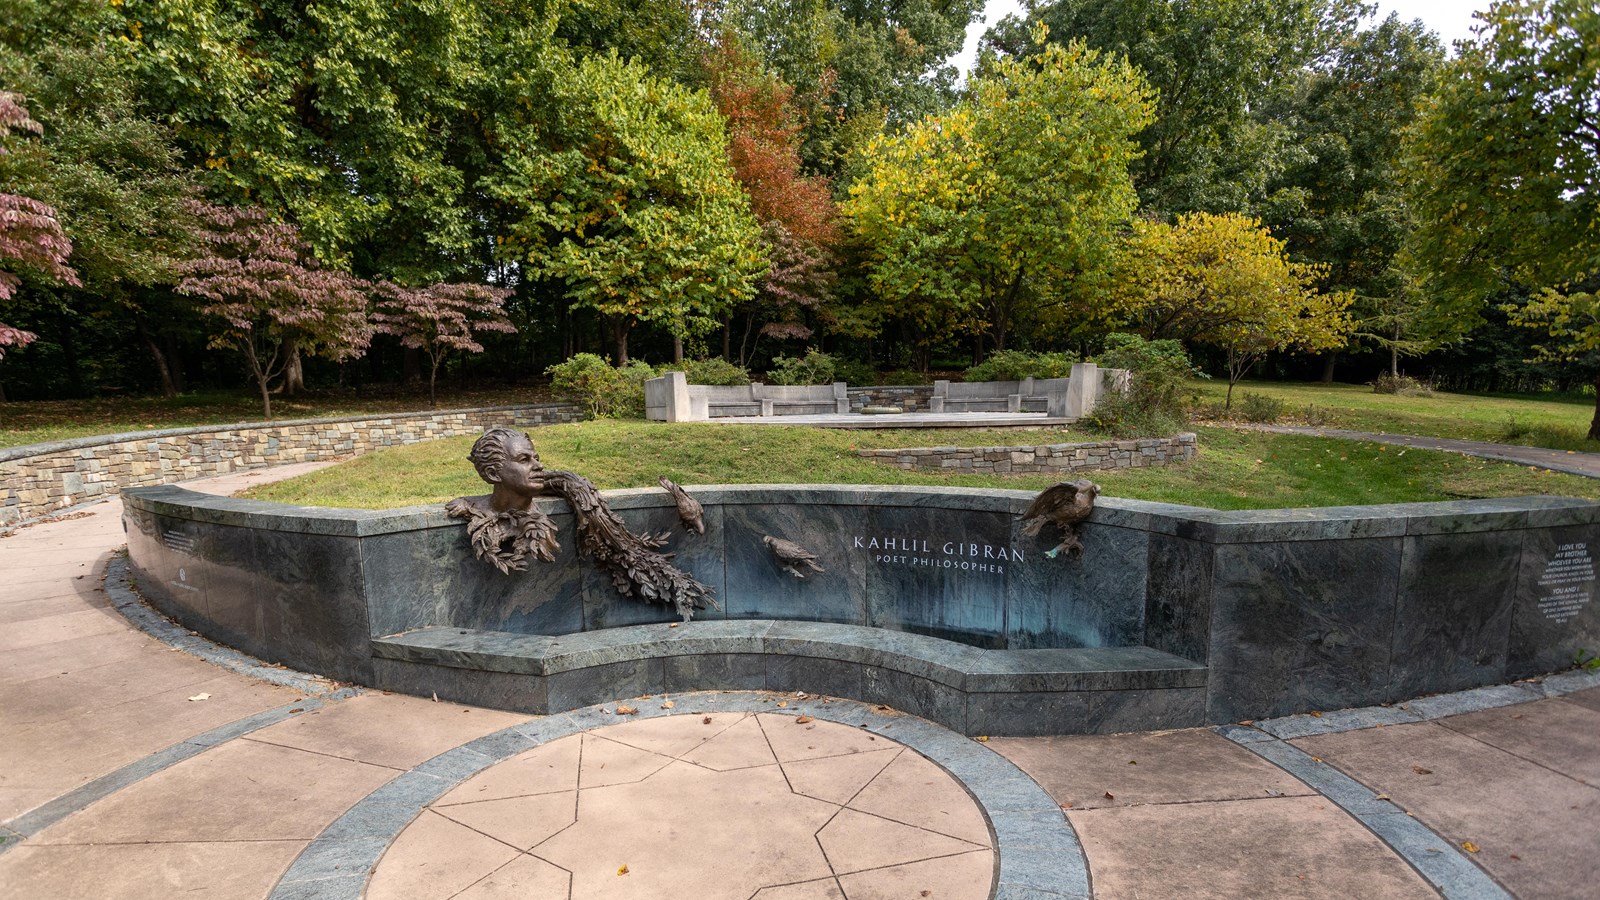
(1135, 454)
(42, 478)
(909, 397)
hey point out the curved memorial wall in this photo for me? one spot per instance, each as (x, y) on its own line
(932, 601)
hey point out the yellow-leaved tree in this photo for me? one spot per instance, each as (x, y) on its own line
(1225, 281)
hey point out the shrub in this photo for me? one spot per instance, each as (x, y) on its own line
(903, 377)
(1317, 417)
(1403, 385)
(604, 390)
(815, 367)
(1260, 409)
(1158, 397)
(852, 371)
(1015, 365)
(715, 371)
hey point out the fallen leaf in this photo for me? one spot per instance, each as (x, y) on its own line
(1380, 796)
(1133, 762)
(1316, 759)
(623, 870)
(926, 894)
(1273, 793)
(1110, 796)
(1315, 714)
(802, 720)
(436, 696)
(782, 703)
(1514, 856)
(1421, 771)
(982, 739)
(199, 697)
(1469, 846)
(666, 704)
(625, 710)
(1067, 805)
(706, 721)
(674, 624)
(297, 709)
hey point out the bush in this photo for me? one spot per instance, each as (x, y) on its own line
(1158, 397)
(604, 390)
(1015, 365)
(715, 371)
(851, 371)
(1260, 409)
(815, 367)
(903, 377)
(1403, 385)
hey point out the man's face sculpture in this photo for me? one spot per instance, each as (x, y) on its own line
(519, 469)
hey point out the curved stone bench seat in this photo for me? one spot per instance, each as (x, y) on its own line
(969, 689)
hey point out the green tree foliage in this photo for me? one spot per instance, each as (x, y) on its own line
(1337, 199)
(1007, 202)
(1211, 62)
(634, 208)
(1506, 157)
(1223, 280)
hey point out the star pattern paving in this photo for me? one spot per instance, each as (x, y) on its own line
(725, 806)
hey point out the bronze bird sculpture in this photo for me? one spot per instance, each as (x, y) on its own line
(1064, 506)
(690, 512)
(791, 555)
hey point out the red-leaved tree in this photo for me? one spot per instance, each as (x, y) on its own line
(30, 235)
(267, 291)
(796, 211)
(440, 318)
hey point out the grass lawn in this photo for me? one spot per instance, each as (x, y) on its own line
(1235, 470)
(40, 421)
(1530, 420)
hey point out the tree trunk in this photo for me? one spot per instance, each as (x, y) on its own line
(411, 365)
(69, 349)
(1594, 425)
(294, 373)
(433, 377)
(619, 339)
(727, 338)
(1394, 361)
(168, 387)
(175, 360)
(1328, 363)
(677, 350)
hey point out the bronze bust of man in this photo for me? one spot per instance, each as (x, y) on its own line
(505, 526)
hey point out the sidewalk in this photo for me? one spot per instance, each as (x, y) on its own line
(131, 769)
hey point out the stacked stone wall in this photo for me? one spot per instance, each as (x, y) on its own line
(1050, 458)
(42, 478)
(909, 397)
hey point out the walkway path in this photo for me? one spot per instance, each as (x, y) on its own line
(131, 769)
(1570, 461)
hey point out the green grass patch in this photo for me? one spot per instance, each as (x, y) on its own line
(41, 421)
(1557, 422)
(1235, 470)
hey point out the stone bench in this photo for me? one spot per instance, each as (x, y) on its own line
(966, 688)
(1071, 398)
(670, 398)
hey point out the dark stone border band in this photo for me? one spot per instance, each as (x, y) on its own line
(1039, 854)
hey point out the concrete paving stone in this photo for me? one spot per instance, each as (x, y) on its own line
(244, 870)
(521, 822)
(965, 876)
(914, 791)
(1554, 733)
(546, 769)
(857, 841)
(837, 779)
(667, 735)
(434, 859)
(240, 791)
(1139, 768)
(1534, 828)
(739, 747)
(56, 697)
(1588, 699)
(44, 607)
(821, 889)
(524, 878)
(791, 741)
(387, 730)
(700, 840)
(608, 762)
(68, 626)
(85, 653)
(1280, 847)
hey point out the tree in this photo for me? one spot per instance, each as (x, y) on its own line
(1211, 62)
(1224, 280)
(633, 206)
(797, 214)
(268, 291)
(1011, 197)
(30, 236)
(1505, 172)
(440, 318)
